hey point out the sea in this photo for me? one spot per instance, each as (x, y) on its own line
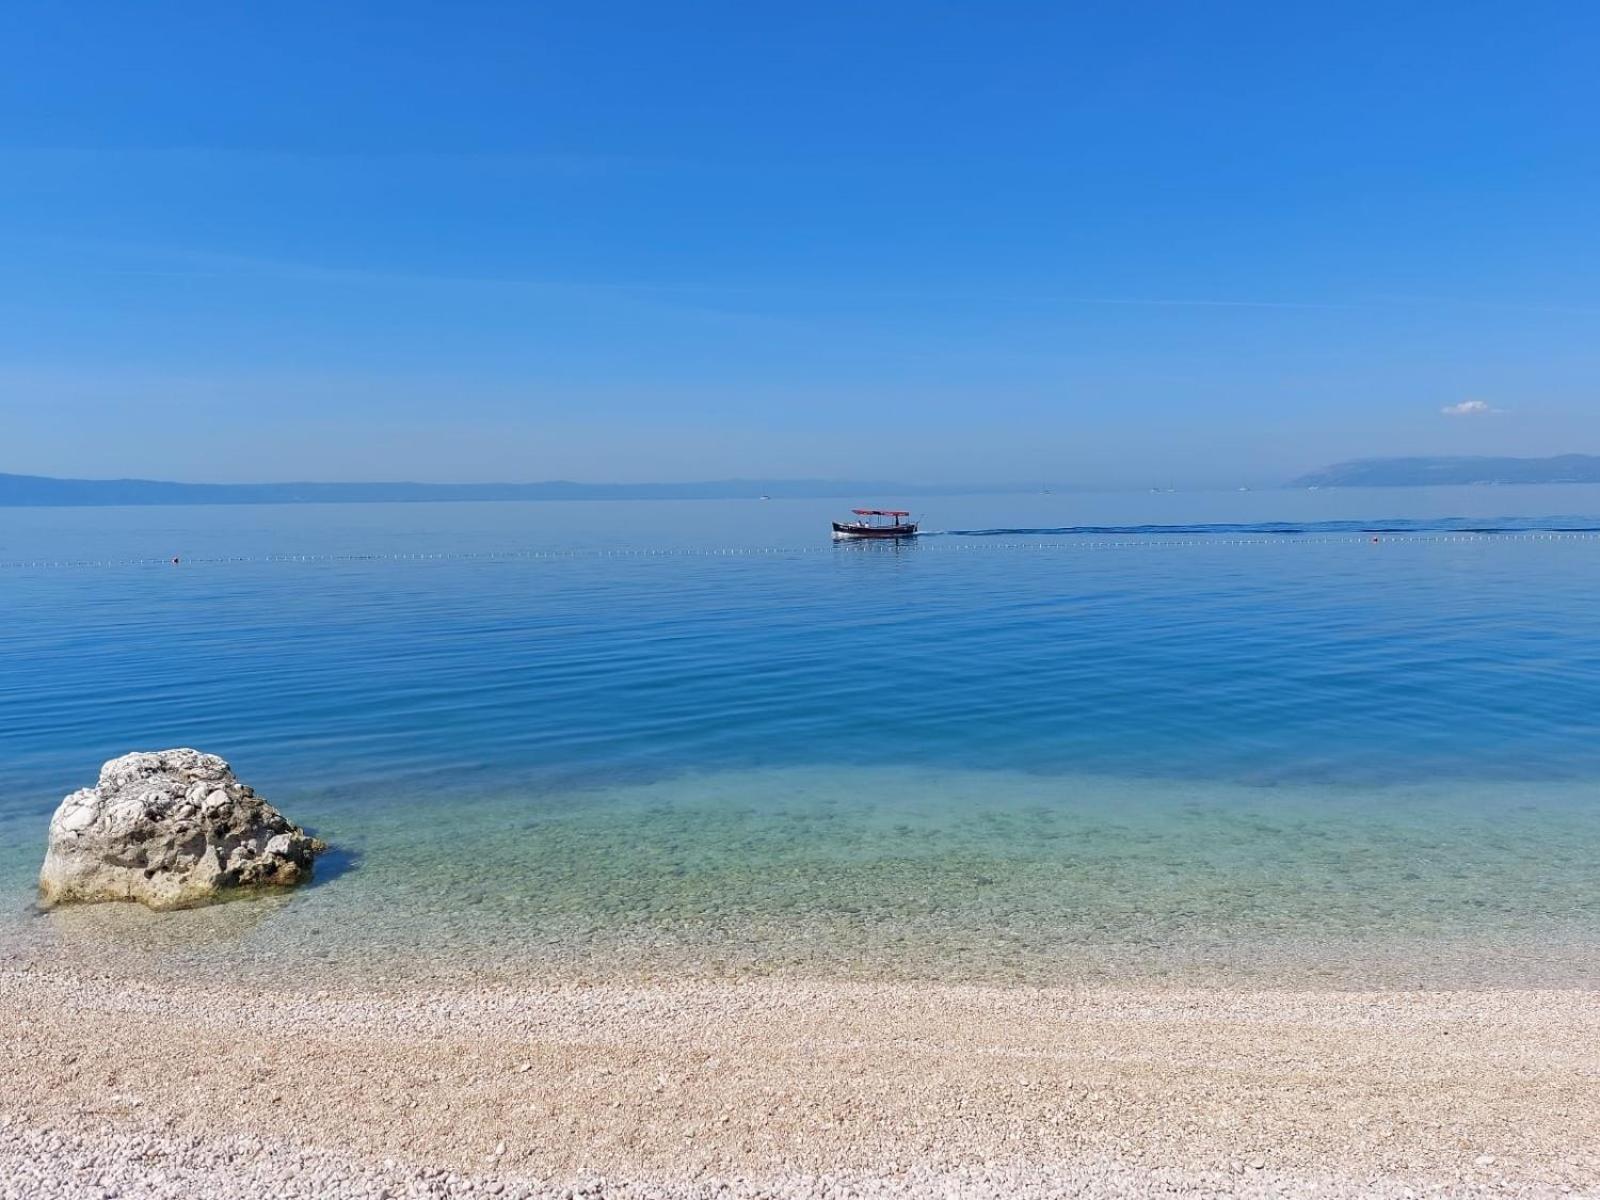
(1338, 738)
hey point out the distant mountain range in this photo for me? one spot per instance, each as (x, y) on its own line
(1422, 472)
(41, 491)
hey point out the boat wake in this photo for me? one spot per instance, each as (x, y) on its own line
(1291, 529)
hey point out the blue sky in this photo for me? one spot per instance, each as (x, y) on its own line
(1113, 244)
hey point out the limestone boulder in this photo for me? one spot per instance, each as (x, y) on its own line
(170, 829)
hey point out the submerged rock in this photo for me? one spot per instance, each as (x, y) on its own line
(170, 829)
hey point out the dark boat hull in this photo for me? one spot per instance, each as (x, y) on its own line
(852, 529)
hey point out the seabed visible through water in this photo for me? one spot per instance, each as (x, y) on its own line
(975, 876)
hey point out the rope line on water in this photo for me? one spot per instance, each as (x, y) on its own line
(924, 543)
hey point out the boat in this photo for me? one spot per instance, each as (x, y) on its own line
(876, 523)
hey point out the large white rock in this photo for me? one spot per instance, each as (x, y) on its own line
(170, 829)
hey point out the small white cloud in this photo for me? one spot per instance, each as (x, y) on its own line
(1468, 408)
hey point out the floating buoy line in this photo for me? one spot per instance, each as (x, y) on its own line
(928, 542)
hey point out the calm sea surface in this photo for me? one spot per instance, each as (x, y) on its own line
(1349, 737)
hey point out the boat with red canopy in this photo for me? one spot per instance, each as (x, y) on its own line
(876, 523)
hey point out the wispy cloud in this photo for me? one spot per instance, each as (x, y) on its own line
(1468, 408)
(197, 157)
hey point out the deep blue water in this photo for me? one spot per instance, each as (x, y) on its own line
(1325, 657)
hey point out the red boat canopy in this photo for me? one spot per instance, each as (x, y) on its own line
(880, 512)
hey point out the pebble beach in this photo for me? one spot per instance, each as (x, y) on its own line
(126, 1087)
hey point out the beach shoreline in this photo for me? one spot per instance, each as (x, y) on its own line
(674, 1087)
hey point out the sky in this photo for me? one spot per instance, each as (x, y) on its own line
(1106, 244)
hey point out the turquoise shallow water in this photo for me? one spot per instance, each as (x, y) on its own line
(1195, 737)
